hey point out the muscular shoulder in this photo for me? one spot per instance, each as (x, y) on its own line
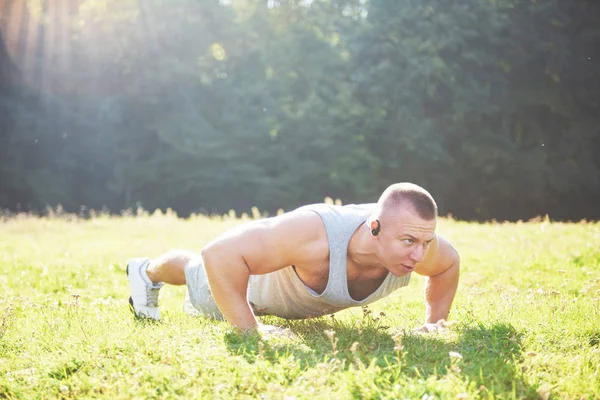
(273, 243)
(440, 256)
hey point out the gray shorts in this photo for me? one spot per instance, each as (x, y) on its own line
(199, 299)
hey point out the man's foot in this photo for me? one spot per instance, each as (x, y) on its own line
(144, 294)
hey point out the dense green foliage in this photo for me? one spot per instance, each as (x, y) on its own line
(492, 105)
(527, 315)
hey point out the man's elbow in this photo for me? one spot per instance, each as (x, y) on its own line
(222, 256)
(452, 267)
(455, 259)
(455, 264)
(210, 255)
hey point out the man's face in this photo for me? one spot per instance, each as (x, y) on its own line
(403, 240)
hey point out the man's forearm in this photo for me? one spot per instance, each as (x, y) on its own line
(228, 278)
(439, 293)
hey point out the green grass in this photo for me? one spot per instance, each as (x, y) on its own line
(527, 313)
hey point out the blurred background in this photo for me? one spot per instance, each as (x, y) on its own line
(206, 105)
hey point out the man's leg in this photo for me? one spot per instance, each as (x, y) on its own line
(147, 276)
(170, 267)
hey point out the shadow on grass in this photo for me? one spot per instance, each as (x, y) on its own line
(318, 340)
(491, 355)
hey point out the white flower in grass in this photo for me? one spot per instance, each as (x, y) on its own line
(455, 356)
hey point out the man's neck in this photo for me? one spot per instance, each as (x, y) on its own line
(362, 256)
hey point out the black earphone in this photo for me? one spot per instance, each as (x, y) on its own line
(375, 229)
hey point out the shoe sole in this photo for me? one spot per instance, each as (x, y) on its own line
(131, 307)
(130, 298)
(136, 315)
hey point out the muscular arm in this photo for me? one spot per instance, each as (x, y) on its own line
(228, 277)
(439, 293)
(257, 248)
(442, 268)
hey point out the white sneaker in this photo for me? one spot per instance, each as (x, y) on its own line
(144, 294)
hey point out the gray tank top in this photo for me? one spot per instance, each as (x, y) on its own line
(283, 294)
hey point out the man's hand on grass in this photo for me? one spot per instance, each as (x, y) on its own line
(270, 331)
(439, 326)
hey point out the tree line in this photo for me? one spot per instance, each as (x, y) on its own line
(492, 105)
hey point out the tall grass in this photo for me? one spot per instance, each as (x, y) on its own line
(527, 321)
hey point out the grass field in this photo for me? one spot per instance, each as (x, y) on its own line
(527, 321)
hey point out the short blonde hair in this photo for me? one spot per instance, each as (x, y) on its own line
(405, 193)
